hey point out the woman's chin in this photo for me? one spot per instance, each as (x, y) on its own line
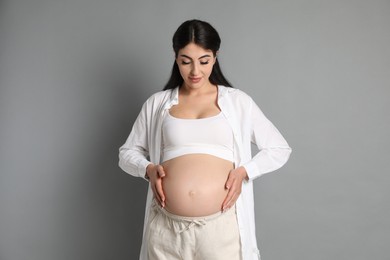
(195, 84)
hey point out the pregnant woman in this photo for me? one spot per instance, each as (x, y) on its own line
(192, 142)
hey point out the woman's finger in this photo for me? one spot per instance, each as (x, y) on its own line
(155, 174)
(160, 192)
(160, 171)
(230, 181)
(229, 197)
(233, 184)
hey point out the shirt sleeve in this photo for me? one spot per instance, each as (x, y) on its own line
(134, 152)
(274, 150)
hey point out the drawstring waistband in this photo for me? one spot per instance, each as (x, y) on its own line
(192, 221)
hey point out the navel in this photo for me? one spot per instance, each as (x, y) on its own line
(191, 193)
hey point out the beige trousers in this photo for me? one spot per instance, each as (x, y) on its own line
(214, 237)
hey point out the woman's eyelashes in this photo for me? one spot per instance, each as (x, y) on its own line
(189, 62)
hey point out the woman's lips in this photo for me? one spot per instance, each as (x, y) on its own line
(195, 80)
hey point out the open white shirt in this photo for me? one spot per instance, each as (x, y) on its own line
(249, 125)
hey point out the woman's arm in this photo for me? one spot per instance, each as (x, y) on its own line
(134, 152)
(274, 150)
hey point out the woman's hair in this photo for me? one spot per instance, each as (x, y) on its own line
(204, 35)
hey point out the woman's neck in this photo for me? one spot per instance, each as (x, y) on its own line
(206, 89)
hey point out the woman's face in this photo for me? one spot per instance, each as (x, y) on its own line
(195, 65)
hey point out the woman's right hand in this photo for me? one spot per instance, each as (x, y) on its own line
(155, 174)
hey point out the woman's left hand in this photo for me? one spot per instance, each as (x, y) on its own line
(234, 184)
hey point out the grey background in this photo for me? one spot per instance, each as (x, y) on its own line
(73, 76)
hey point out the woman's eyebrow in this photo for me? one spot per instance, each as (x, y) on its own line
(204, 56)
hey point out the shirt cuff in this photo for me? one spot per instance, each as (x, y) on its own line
(142, 169)
(251, 170)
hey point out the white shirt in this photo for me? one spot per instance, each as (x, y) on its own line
(249, 125)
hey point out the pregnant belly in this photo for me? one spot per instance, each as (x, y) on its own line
(194, 184)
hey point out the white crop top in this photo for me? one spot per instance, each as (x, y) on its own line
(210, 135)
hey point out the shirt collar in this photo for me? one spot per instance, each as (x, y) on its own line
(174, 96)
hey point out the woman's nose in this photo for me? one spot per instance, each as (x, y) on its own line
(195, 69)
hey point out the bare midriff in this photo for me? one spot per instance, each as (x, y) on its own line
(194, 184)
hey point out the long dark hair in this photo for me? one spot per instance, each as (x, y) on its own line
(203, 34)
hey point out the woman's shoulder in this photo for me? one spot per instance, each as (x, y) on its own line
(160, 96)
(236, 93)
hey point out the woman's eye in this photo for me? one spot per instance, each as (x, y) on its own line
(204, 62)
(185, 62)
